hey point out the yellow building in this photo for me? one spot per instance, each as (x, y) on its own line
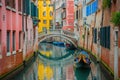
(45, 12)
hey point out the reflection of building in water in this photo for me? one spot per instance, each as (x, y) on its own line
(69, 73)
(46, 53)
(44, 72)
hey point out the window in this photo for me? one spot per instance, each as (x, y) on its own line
(7, 3)
(13, 4)
(10, 3)
(95, 35)
(44, 29)
(44, 21)
(64, 14)
(14, 41)
(19, 5)
(44, 13)
(105, 37)
(92, 8)
(8, 41)
(44, 4)
(77, 14)
(20, 40)
(51, 22)
(51, 13)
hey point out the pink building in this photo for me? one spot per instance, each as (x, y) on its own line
(68, 15)
(16, 38)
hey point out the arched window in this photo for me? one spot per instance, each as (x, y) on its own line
(44, 3)
(44, 13)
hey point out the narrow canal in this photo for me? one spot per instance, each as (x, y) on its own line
(57, 63)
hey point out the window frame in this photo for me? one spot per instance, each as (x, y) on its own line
(45, 21)
(14, 40)
(8, 41)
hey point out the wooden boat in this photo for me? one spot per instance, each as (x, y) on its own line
(58, 43)
(70, 46)
(82, 59)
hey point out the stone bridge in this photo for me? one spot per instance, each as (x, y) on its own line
(68, 36)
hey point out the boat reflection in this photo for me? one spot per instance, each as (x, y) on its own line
(82, 73)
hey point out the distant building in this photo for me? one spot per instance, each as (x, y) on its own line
(68, 15)
(45, 15)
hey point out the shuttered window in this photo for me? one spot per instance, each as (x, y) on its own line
(91, 8)
(34, 10)
(105, 37)
(26, 6)
(14, 41)
(8, 41)
(95, 35)
(10, 3)
(19, 5)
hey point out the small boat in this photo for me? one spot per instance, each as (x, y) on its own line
(82, 59)
(58, 43)
(70, 46)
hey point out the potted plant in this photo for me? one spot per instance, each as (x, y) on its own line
(116, 19)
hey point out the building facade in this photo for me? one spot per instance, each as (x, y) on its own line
(68, 15)
(45, 15)
(97, 32)
(16, 33)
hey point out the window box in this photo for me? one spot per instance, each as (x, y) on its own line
(8, 8)
(8, 54)
(20, 50)
(20, 12)
(14, 52)
(14, 10)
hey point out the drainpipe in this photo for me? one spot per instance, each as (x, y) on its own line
(116, 53)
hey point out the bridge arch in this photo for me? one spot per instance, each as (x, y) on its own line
(70, 39)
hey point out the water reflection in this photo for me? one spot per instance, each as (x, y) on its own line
(52, 51)
(44, 72)
(46, 69)
(82, 73)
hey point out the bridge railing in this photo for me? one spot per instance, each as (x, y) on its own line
(57, 31)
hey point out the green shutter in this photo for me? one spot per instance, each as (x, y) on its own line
(32, 9)
(95, 35)
(108, 37)
(27, 7)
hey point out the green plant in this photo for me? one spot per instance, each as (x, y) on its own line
(116, 18)
(106, 4)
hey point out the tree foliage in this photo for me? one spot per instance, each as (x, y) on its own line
(116, 18)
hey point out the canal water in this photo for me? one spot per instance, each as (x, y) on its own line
(57, 63)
